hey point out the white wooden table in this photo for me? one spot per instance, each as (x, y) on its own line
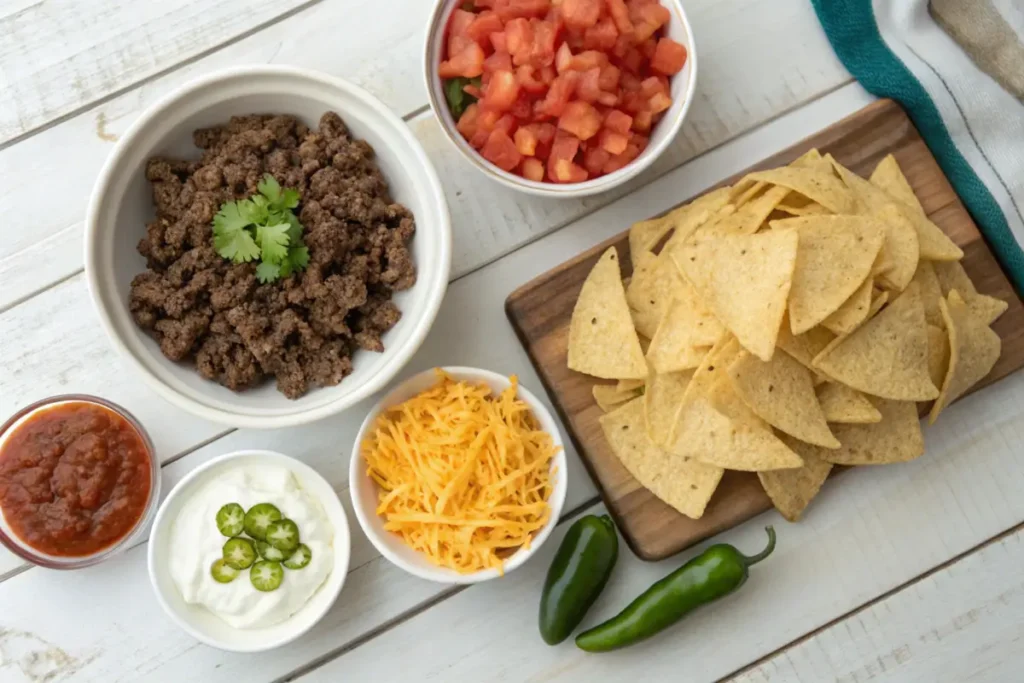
(905, 573)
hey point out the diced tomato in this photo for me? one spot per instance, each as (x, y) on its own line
(588, 59)
(501, 151)
(629, 82)
(558, 95)
(458, 27)
(647, 18)
(566, 172)
(501, 92)
(533, 169)
(659, 102)
(580, 14)
(580, 119)
(620, 160)
(468, 64)
(545, 37)
(547, 74)
(506, 123)
(648, 47)
(510, 9)
(588, 88)
(499, 61)
(529, 81)
(613, 143)
(640, 141)
(499, 41)
(669, 57)
(651, 86)
(526, 141)
(601, 36)
(522, 108)
(594, 159)
(471, 89)
(563, 58)
(620, 15)
(483, 26)
(642, 121)
(623, 44)
(633, 60)
(609, 78)
(519, 39)
(618, 122)
(484, 124)
(633, 102)
(468, 121)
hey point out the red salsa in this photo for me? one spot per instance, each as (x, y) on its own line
(75, 478)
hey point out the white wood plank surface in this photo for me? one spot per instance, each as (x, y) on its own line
(962, 624)
(747, 44)
(471, 330)
(57, 56)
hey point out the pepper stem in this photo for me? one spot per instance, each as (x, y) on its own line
(766, 552)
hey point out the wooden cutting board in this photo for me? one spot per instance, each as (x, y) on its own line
(540, 313)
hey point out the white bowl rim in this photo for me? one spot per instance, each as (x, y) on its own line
(566, 190)
(300, 415)
(357, 479)
(342, 545)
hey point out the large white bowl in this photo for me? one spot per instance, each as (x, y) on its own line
(365, 491)
(683, 86)
(204, 625)
(121, 206)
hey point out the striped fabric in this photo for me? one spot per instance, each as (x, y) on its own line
(957, 67)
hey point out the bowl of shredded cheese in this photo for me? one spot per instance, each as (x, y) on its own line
(458, 475)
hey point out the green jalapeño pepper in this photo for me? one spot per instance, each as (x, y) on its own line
(716, 572)
(577, 575)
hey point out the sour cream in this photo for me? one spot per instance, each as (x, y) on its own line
(196, 543)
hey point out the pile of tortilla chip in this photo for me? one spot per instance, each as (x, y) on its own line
(786, 324)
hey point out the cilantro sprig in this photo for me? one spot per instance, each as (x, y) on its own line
(263, 227)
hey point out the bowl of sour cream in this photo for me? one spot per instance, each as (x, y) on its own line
(249, 551)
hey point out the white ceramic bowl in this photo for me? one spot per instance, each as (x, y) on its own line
(202, 624)
(121, 206)
(683, 86)
(365, 491)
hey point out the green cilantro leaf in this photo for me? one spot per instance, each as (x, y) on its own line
(268, 272)
(270, 188)
(273, 241)
(263, 227)
(237, 246)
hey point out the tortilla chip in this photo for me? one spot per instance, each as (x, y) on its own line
(705, 434)
(810, 159)
(806, 207)
(684, 337)
(888, 355)
(852, 313)
(935, 245)
(662, 398)
(804, 347)
(650, 291)
(833, 259)
(602, 341)
(686, 485)
(749, 216)
(781, 392)
(792, 490)
(744, 280)
(901, 250)
(951, 275)
(608, 396)
(645, 235)
(842, 404)
(702, 210)
(973, 349)
(888, 177)
(629, 384)
(740, 198)
(938, 354)
(823, 187)
(896, 438)
(930, 292)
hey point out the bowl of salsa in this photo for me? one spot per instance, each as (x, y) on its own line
(78, 480)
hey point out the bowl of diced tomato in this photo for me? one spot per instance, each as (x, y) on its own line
(560, 97)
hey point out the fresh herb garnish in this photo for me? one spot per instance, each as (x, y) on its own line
(263, 227)
(458, 98)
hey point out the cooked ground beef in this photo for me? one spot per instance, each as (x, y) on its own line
(301, 329)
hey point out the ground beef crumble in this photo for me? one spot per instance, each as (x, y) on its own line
(302, 329)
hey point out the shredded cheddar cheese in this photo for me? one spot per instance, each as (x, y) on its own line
(464, 476)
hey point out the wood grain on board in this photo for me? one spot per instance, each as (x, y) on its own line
(540, 312)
